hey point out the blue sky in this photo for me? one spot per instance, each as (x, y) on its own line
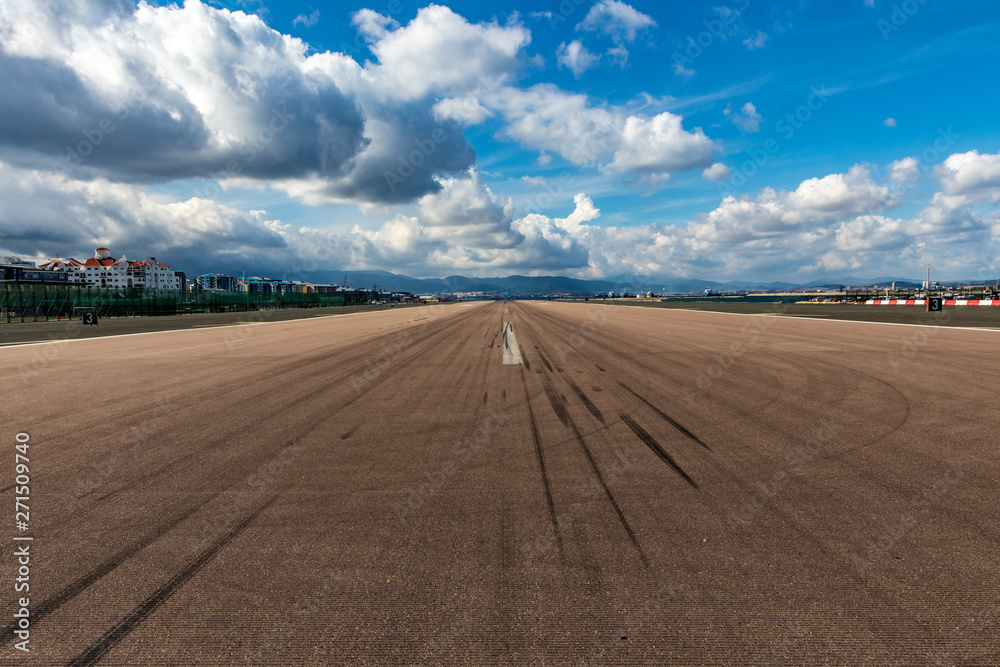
(728, 140)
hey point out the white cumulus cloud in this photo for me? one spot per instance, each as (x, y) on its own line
(905, 170)
(546, 118)
(308, 20)
(830, 224)
(756, 41)
(439, 51)
(618, 20)
(465, 110)
(163, 93)
(972, 175)
(717, 173)
(747, 118)
(576, 58)
(658, 145)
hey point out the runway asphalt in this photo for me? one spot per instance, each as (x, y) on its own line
(649, 486)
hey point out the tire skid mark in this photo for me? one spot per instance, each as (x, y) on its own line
(72, 590)
(557, 405)
(349, 433)
(901, 413)
(906, 411)
(98, 649)
(314, 421)
(667, 418)
(138, 481)
(140, 414)
(771, 508)
(544, 360)
(657, 449)
(746, 486)
(586, 401)
(414, 350)
(536, 438)
(340, 378)
(311, 365)
(555, 400)
(69, 592)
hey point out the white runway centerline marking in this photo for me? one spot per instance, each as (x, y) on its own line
(511, 353)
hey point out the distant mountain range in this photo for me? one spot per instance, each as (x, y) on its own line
(542, 285)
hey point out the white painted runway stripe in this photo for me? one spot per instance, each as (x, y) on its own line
(511, 352)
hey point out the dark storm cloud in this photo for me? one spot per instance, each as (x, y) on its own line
(238, 101)
(52, 119)
(401, 164)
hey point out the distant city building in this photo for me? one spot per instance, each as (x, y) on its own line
(182, 281)
(268, 285)
(284, 286)
(319, 288)
(254, 284)
(17, 270)
(217, 281)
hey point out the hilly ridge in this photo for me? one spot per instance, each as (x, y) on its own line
(517, 284)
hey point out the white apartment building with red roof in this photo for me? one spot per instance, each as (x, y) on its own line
(103, 270)
(71, 267)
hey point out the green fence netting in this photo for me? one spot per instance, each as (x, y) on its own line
(28, 302)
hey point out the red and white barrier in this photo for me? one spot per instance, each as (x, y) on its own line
(922, 302)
